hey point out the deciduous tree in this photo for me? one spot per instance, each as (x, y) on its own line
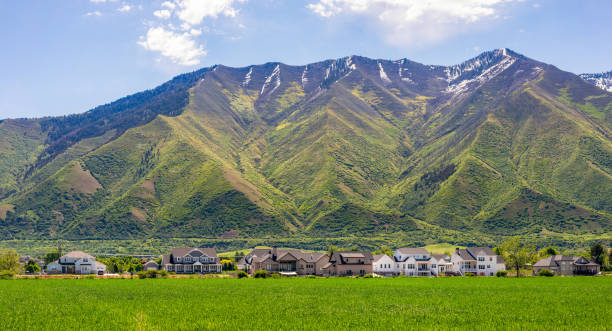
(517, 255)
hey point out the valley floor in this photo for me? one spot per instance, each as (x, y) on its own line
(575, 303)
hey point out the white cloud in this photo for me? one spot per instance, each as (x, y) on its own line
(124, 8)
(410, 22)
(177, 37)
(179, 47)
(94, 13)
(169, 5)
(194, 11)
(162, 13)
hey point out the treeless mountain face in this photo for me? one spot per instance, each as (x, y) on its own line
(498, 145)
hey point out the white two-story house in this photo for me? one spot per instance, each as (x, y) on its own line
(481, 261)
(76, 262)
(384, 265)
(441, 264)
(413, 262)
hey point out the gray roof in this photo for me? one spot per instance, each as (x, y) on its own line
(553, 261)
(262, 254)
(379, 256)
(151, 263)
(78, 255)
(475, 251)
(338, 257)
(414, 251)
(441, 256)
(209, 251)
(465, 255)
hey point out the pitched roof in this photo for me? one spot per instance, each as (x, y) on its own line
(209, 251)
(475, 251)
(151, 263)
(379, 256)
(262, 254)
(553, 260)
(77, 255)
(166, 259)
(338, 257)
(441, 257)
(465, 255)
(415, 251)
(100, 265)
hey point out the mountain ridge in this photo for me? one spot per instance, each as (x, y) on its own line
(333, 148)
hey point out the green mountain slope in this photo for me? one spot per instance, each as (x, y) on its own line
(498, 145)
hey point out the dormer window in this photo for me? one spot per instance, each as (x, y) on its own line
(481, 258)
(187, 258)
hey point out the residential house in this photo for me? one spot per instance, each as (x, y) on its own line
(480, 261)
(384, 265)
(150, 265)
(76, 262)
(191, 260)
(413, 262)
(349, 264)
(441, 264)
(285, 261)
(564, 265)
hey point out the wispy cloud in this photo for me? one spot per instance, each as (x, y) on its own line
(177, 40)
(124, 8)
(93, 13)
(415, 22)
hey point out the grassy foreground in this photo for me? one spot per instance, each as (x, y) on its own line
(401, 303)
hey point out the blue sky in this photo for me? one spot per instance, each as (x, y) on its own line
(63, 57)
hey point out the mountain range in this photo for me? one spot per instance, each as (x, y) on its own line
(498, 145)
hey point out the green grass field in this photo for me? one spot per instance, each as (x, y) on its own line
(401, 303)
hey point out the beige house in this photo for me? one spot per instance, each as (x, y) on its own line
(285, 261)
(564, 265)
(192, 261)
(349, 264)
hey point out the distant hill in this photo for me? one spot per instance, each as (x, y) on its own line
(498, 145)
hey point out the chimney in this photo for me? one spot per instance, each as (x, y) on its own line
(274, 252)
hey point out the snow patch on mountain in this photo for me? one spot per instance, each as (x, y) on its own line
(400, 74)
(383, 74)
(247, 77)
(602, 80)
(464, 85)
(275, 74)
(304, 77)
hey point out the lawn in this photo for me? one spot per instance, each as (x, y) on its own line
(577, 303)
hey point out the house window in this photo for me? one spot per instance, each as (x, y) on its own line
(411, 266)
(481, 258)
(490, 258)
(433, 265)
(481, 267)
(489, 266)
(188, 259)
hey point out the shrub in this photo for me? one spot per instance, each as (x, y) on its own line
(368, 276)
(312, 276)
(152, 274)
(470, 274)
(501, 273)
(545, 273)
(261, 274)
(7, 274)
(242, 274)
